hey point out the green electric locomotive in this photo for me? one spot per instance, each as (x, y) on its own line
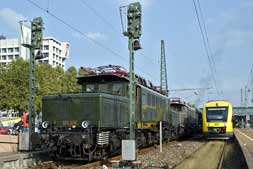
(91, 124)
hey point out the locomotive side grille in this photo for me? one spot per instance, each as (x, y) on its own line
(103, 138)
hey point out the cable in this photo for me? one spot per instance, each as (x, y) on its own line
(203, 38)
(206, 48)
(84, 35)
(110, 25)
(208, 45)
(99, 16)
(207, 39)
(77, 30)
(48, 3)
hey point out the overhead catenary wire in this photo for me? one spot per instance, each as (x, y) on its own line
(208, 44)
(85, 36)
(48, 4)
(204, 40)
(103, 19)
(206, 48)
(76, 30)
(207, 39)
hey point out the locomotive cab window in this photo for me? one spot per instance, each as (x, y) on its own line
(119, 89)
(90, 88)
(104, 88)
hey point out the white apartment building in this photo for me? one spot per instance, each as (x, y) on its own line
(55, 52)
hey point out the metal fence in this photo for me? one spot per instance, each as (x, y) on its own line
(242, 111)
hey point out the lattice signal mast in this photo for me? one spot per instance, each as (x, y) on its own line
(163, 71)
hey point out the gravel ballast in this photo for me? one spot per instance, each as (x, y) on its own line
(172, 154)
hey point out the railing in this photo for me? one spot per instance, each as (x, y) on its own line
(242, 110)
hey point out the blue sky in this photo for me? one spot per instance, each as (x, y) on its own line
(228, 25)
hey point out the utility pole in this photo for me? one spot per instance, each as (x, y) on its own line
(35, 53)
(246, 96)
(35, 47)
(241, 97)
(163, 73)
(251, 85)
(133, 32)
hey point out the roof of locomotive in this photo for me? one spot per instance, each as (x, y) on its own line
(175, 101)
(112, 73)
(100, 78)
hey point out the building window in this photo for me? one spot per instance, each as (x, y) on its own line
(10, 50)
(45, 55)
(10, 57)
(46, 47)
(4, 50)
(4, 57)
(53, 56)
(16, 49)
(56, 57)
(53, 63)
(59, 51)
(56, 50)
(46, 61)
(39, 61)
(16, 56)
(53, 48)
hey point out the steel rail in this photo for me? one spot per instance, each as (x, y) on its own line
(222, 155)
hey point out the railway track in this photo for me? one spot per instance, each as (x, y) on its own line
(115, 159)
(209, 156)
(63, 165)
(222, 155)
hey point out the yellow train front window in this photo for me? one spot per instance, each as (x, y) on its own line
(216, 114)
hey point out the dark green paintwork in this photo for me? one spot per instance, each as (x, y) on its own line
(100, 109)
(104, 107)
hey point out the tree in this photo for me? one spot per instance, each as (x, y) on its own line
(70, 81)
(14, 84)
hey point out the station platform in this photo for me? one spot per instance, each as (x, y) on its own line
(8, 143)
(22, 160)
(245, 139)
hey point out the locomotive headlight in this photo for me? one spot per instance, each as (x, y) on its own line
(85, 124)
(44, 124)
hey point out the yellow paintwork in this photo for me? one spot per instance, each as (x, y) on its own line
(9, 121)
(146, 125)
(150, 124)
(228, 124)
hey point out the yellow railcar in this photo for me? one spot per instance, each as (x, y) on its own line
(217, 120)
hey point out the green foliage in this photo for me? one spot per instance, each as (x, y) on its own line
(14, 84)
(69, 80)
